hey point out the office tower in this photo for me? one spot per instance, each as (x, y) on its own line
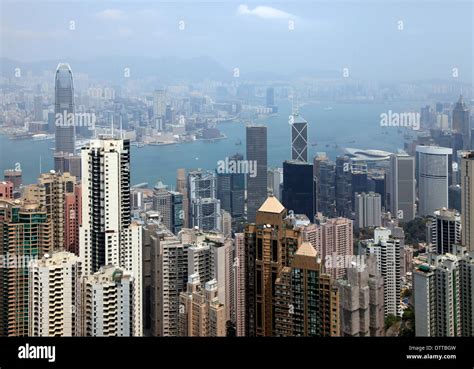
(169, 275)
(64, 108)
(337, 245)
(269, 246)
(38, 108)
(454, 197)
(206, 214)
(108, 304)
(443, 288)
(27, 235)
(231, 189)
(361, 301)
(50, 192)
(275, 182)
(181, 187)
(67, 162)
(432, 179)
(159, 109)
(359, 181)
(343, 187)
(270, 97)
(401, 187)
(205, 208)
(226, 223)
(306, 300)
(445, 230)
(298, 187)
(107, 234)
(55, 295)
(388, 253)
(201, 313)
(368, 210)
(170, 206)
(6, 190)
(73, 219)
(239, 282)
(14, 176)
(325, 186)
(467, 202)
(299, 137)
(376, 183)
(256, 185)
(461, 122)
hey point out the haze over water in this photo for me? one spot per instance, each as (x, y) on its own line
(340, 126)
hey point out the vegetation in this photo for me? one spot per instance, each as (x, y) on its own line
(391, 320)
(415, 230)
(408, 326)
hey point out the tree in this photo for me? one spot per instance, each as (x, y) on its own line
(391, 320)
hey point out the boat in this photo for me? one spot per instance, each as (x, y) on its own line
(239, 142)
(328, 108)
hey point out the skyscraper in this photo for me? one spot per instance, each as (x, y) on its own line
(445, 230)
(368, 210)
(256, 185)
(325, 186)
(201, 313)
(344, 187)
(231, 190)
(461, 122)
(443, 294)
(299, 137)
(388, 253)
(336, 245)
(239, 282)
(107, 234)
(170, 206)
(181, 187)
(270, 97)
(108, 305)
(55, 305)
(361, 301)
(169, 275)
(432, 178)
(27, 235)
(298, 187)
(63, 106)
(50, 192)
(467, 200)
(306, 299)
(401, 187)
(269, 246)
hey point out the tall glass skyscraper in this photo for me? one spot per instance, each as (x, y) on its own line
(298, 187)
(299, 138)
(432, 178)
(63, 107)
(256, 185)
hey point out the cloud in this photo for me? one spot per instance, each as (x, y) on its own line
(110, 14)
(265, 12)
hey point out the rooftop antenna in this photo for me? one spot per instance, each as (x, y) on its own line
(121, 136)
(41, 169)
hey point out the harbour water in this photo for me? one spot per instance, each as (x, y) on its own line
(329, 130)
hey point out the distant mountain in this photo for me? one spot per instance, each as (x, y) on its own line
(166, 69)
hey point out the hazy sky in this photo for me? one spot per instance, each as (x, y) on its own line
(328, 35)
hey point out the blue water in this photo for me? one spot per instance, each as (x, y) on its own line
(340, 126)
